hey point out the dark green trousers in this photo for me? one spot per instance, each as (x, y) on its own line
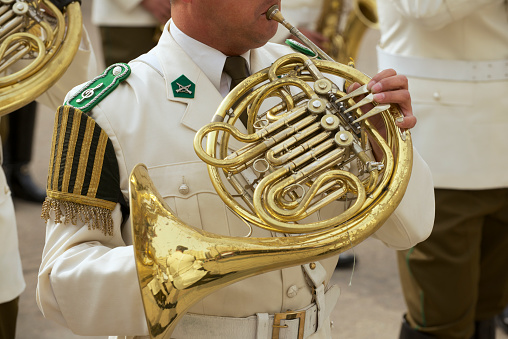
(122, 44)
(8, 316)
(459, 275)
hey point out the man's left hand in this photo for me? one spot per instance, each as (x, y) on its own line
(389, 87)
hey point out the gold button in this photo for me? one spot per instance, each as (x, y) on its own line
(312, 265)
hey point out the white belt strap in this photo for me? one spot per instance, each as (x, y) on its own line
(263, 325)
(317, 275)
(259, 326)
(442, 69)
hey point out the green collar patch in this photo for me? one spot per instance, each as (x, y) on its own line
(99, 87)
(183, 87)
(299, 47)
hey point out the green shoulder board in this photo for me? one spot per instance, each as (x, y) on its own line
(99, 87)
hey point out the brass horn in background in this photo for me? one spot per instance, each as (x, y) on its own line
(37, 45)
(344, 23)
(301, 152)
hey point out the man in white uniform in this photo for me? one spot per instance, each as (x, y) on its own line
(455, 55)
(87, 279)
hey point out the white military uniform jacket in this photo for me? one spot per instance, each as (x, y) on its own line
(12, 283)
(121, 13)
(87, 280)
(455, 54)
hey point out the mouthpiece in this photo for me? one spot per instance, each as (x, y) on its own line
(271, 12)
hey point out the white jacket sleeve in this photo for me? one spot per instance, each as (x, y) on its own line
(413, 219)
(435, 14)
(88, 282)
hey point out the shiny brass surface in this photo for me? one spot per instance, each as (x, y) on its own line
(37, 45)
(344, 26)
(301, 151)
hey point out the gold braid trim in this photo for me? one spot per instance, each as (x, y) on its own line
(80, 199)
(96, 217)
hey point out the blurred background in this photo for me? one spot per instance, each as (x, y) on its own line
(370, 306)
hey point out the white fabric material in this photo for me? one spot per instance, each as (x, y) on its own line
(397, 236)
(12, 282)
(259, 326)
(87, 280)
(263, 325)
(317, 276)
(462, 122)
(121, 13)
(444, 69)
(198, 326)
(210, 60)
(301, 14)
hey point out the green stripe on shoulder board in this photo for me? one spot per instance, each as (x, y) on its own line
(99, 87)
(300, 47)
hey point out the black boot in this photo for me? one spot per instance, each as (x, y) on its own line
(485, 329)
(406, 332)
(17, 151)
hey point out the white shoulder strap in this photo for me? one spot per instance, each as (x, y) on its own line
(151, 60)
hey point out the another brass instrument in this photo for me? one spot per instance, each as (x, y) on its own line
(300, 151)
(344, 28)
(35, 48)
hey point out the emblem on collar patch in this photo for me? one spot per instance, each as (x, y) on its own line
(183, 87)
(99, 87)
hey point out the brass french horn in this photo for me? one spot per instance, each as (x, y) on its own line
(301, 152)
(344, 26)
(37, 45)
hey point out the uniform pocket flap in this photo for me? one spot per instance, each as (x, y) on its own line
(181, 180)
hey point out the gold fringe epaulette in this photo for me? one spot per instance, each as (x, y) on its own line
(95, 217)
(83, 176)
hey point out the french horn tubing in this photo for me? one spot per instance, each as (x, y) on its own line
(310, 149)
(36, 48)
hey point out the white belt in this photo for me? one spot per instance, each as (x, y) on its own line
(442, 69)
(289, 325)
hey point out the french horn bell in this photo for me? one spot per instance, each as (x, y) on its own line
(309, 149)
(37, 45)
